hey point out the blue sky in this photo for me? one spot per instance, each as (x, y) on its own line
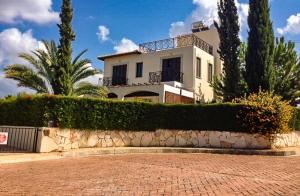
(129, 22)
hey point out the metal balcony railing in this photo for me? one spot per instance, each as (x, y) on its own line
(109, 82)
(177, 42)
(160, 76)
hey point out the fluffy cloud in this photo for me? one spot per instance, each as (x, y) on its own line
(38, 11)
(292, 27)
(206, 11)
(13, 42)
(103, 33)
(126, 45)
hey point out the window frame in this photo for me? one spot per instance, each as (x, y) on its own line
(198, 68)
(139, 70)
(210, 73)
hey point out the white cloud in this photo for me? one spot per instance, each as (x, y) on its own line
(206, 11)
(126, 45)
(13, 42)
(103, 33)
(38, 11)
(292, 27)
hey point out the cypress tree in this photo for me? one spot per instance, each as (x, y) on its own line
(67, 35)
(259, 57)
(228, 30)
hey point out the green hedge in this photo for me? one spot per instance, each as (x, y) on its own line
(297, 119)
(93, 114)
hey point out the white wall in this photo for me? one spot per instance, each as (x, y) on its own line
(153, 63)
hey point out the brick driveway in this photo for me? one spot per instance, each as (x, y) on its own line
(154, 174)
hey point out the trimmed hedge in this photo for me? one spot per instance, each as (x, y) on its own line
(95, 114)
(297, 119)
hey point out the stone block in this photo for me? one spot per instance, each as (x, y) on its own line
(170, 142)
(240, 143)
(180, 141)
(92, 140)
(146, 139)
(48, 145)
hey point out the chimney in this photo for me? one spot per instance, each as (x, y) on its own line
(199, 26)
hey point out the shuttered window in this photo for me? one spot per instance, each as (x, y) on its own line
(210, 73)
(139, 70)
(198, 68)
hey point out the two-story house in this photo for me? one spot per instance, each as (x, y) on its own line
(174, 70)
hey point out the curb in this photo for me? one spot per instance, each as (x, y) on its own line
(132, 150)
(20, 158)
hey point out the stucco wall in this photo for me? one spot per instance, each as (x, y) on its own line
(211, 36)
(153, 63)
(53, 139)
(202, 83)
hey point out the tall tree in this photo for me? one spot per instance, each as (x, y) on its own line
(228, 29)
(259, 58)
(287, 70)
(67, 35)
(40, 76)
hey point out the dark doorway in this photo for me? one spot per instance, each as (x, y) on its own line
(142, 94)
(171, 70)
(112, 96)
(119, 75)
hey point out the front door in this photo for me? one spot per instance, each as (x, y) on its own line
(171, 69)
(119, 75)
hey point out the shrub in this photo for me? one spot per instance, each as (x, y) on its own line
(296, 120)
(266, 113)
(22, 111)
(97, 114)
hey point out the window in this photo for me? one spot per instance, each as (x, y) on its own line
(198, 68)
(210, 73)
(139, 70)
(171, 70)
(119, 75)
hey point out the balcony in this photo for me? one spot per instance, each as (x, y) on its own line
(160, 76)
(177, 42)
(109, 82)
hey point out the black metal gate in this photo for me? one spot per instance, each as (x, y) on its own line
(20, 139)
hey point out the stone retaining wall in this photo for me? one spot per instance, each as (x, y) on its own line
(54, 139)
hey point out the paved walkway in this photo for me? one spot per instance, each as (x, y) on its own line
(154, 174)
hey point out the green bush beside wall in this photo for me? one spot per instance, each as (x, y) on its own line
(296, 122)
(95, 114)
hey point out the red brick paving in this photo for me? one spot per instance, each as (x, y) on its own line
(154, 174)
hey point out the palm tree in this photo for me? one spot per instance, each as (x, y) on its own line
(40, 75)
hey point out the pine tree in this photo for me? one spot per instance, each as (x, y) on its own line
(259, 58)
(229, 29)
(67, 35)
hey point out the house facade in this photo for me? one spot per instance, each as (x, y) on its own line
(174, 70)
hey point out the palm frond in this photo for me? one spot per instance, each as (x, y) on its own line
(79, 65)
(26, 77)
(90, 90)
(79, 56)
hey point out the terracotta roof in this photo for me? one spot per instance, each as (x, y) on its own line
(102, 58)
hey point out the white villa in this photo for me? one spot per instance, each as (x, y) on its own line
(175, 70)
